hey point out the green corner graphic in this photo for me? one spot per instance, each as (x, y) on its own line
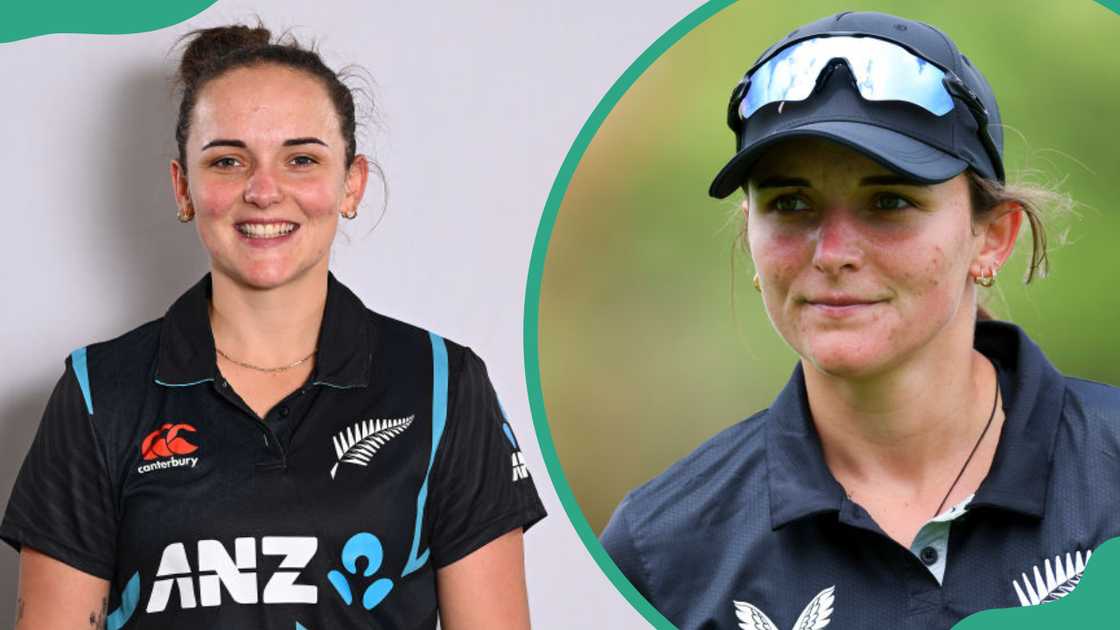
(1089, 605)
(20, 20)
(1086, 607)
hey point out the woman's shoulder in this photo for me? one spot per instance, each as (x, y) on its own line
(130, 353)
(1093, 401)
(730, 463)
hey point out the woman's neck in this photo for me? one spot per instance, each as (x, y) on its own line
(268, 327)
(913, 425)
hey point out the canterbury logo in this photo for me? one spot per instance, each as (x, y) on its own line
(1054, 581)
(817, 614)
(358, 443)
(167, 441)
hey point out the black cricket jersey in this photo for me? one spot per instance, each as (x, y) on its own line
(394, 459)
(752, 531)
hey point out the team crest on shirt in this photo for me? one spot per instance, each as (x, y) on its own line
(816, 615)
(361, 441)
(1053, 581)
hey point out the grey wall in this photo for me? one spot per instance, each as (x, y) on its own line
(479, 105)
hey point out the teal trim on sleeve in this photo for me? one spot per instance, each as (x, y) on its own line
(439, 420)
(81, 372)
(129, 598)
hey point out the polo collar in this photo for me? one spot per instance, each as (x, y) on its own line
(186, 344)
(801, 485)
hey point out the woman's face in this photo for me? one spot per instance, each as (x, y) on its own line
(266, 174)
(860, 269)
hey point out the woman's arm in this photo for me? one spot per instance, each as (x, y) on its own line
(486, 589)
(55, 596)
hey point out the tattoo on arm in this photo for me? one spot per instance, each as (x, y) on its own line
(97, 618)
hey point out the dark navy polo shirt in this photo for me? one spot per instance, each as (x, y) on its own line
(334, 511)
(752, 531)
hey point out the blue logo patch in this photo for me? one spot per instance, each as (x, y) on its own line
(361, 545)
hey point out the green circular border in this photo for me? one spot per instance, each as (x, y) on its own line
(532, 349)
(533, 297)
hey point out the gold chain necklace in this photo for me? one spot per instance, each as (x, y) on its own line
(264, 369)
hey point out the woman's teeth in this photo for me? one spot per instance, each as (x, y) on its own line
(265, 230)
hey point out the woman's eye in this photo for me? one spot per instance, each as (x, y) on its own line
(891, 202)
(303, 160)
(225, 162)
(789, 203)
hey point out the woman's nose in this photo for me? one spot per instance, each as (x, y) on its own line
(262, 189)
(839, 244)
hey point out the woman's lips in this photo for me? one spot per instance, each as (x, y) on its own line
(265, 233)
(841, 307)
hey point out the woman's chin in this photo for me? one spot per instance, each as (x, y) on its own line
(263, 276)
(848, 359)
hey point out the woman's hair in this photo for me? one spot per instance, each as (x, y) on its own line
(1035, 200)
(211, 52)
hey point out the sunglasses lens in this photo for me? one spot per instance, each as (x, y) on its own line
(883, 72)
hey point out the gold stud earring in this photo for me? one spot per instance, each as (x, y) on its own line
(757, 284)
(185, 214)
(986, 278)
(349, 215)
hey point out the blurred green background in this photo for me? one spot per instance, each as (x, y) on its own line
(652, 338)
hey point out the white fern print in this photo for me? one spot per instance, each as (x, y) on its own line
(358, 443)
(816, 615)
(1054, 581)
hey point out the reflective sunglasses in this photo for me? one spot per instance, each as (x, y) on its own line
(882, 70)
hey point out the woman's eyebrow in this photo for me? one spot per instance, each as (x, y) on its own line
(224, 142)
(308, 140)
(784, 182)
(891, 180)
(291, 142)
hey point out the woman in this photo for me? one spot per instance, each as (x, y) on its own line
(923, 462)
(271, 453)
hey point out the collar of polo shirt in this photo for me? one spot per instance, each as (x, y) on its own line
(186, 344)
(801, 485)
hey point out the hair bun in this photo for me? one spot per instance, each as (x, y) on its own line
(209, 44)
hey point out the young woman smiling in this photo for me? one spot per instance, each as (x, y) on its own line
(271, 453)
(923, 462)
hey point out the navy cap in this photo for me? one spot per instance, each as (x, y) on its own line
(901, 136)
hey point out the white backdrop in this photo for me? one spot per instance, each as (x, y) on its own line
(479, 105)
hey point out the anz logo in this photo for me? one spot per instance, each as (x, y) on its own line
(216, 571)
(216, 574)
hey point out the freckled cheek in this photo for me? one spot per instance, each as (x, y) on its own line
(780, 258)
(215, 200)
(319, 200)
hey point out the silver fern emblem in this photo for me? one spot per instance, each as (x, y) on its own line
(816, 615)
(1054, 581)
(358, 443)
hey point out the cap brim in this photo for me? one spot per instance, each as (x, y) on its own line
(896, 151)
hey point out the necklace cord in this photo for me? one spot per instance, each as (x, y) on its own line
(975, 447)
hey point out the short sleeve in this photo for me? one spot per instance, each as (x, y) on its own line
(481, 487)
(61, 504)
(619, 542)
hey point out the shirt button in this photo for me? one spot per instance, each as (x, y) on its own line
(225, 383)
(928, 556)
(284, 411)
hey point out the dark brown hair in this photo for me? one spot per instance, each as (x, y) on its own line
(211, 52)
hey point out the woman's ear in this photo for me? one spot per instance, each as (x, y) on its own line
(997, 238)
(181, 188)
(355, 185)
